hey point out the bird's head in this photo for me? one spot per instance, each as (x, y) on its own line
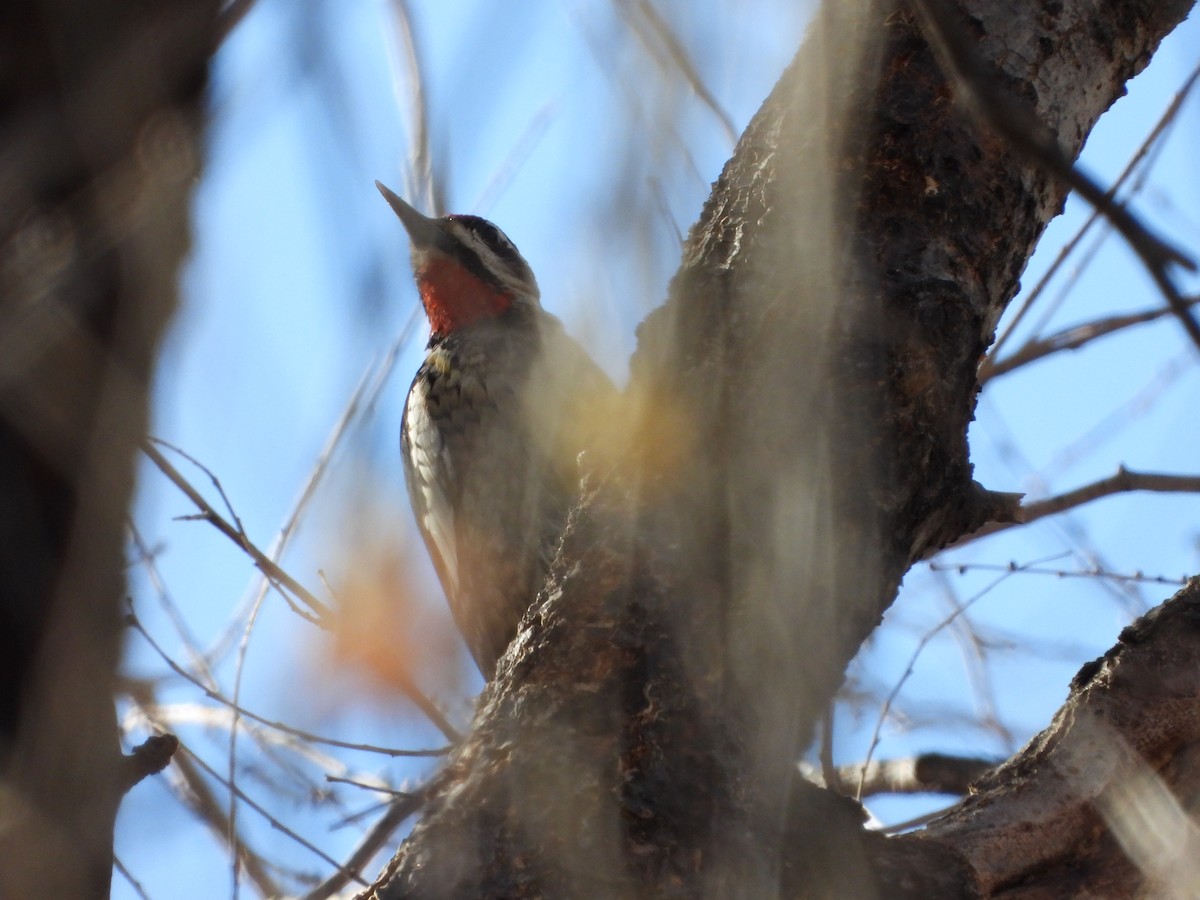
(466, 268)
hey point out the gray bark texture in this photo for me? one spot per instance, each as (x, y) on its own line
(800, 405)
(99, 125)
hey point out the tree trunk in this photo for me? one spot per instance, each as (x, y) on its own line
(99, 121)
(801, 402)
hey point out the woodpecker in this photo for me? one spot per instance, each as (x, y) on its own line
(494, 423)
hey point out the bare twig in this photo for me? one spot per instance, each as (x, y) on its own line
(1028, 134)
(186, 637)
(321, 615)
(521, 150)
(195, 793)
(399, 810)
(1168, 117)
(134, 884)
(274, 822)
(278, 576)
(1073, 339)
(1137, 577)
(917, 651)
(680, 58)
(271, 723)
(1122, 482)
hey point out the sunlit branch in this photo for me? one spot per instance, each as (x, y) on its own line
(1138, 577)
(422, 181)
(274, 822)
(321, 614)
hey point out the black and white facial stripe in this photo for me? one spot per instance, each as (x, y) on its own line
(487, 252)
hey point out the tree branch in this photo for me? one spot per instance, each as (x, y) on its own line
(1124, 481)
(321, 616)
(1102, 779)
(1072, 339)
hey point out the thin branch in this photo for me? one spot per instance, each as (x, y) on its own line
(927, 773)
(916, 654)
(323, 617)
(278, 576)
(682, 61)
(274, 822)
(186, 637)
(134, 884)
(1073, 339)
(198, 797)
(1028, 134)
(510, 165)
(1123, 482)
(212, 476)
(377, 788)
(270, 723)
(422, 182)
(1168, 117)
(381, 832)
(1137, 577)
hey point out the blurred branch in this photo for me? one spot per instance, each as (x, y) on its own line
(148, 758)
(421, 179)
(372, 842)
(659, 28)
(926, 773)
(324, 616)
(1072, 339)
(274, 822)
(231, 16)
(1091, 806)
(321, 616)
(1028, 134)
(270, 723)
(860, 778)
(198, 796)
(1168, 117)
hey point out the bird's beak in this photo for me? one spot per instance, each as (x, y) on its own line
(422, 230)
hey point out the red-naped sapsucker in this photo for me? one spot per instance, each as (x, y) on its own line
(493, 426)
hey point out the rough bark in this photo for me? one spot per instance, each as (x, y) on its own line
(1103, 802)
(99, 119)
(802, 401)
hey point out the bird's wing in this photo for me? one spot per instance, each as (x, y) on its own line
(426, 467)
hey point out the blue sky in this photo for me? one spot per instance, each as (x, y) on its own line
(542, 119)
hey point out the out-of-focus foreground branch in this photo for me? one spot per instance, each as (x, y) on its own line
(802, 403)
(100, 112)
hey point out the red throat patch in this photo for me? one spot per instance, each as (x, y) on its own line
(453, 296)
